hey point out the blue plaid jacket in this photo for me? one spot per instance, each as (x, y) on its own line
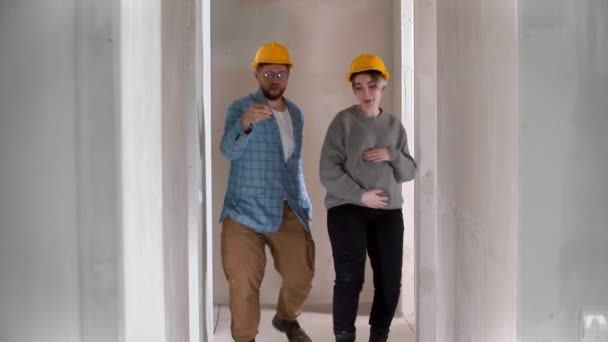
(260, 179)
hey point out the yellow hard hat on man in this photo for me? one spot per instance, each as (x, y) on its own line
(271, 53)
(366, 63)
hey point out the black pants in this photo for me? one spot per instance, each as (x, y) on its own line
(353, 231)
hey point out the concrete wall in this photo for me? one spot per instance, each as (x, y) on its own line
(520, 195)
(141, 171)
(180, 156)
(403, 21)
(563, 237)
(478, 163)
(159, 143)
(468, 204)
(95, 149)
(39, 296)
(58, 217)
(426, 203)
(97, 170)
(311, 30)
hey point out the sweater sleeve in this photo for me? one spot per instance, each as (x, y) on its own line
(331, 167)
(404, 166)
(234, 140)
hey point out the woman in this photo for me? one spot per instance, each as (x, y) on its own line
(364, 160)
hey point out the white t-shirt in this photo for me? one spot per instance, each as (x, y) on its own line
(286, 130)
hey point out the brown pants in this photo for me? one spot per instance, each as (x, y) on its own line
(244, 261)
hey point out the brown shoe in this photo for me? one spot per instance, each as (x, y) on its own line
(291, 328)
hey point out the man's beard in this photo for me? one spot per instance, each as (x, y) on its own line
(272, 97)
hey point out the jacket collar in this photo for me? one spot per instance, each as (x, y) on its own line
(258, 96)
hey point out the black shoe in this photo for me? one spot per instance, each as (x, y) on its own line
(291, 328)
(345, 337)
(378, 335)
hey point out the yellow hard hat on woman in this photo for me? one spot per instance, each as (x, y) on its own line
(367, 62)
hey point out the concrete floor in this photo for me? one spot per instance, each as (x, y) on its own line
(317, 325)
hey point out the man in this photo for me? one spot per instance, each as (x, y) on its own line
(266, 202)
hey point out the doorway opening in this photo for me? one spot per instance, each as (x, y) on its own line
(312, 34)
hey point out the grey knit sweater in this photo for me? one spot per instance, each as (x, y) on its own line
(344, 172)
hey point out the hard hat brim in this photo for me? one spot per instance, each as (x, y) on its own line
(349, 75)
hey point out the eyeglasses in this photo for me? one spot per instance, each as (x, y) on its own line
(269, 75)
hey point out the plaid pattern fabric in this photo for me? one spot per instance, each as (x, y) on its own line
(260, 179)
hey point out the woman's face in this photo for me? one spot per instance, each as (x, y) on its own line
(368, 91)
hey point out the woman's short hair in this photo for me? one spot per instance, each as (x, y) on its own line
(374, 74)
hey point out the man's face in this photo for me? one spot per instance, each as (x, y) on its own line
(273, 80)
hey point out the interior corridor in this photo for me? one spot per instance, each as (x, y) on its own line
(111, 178)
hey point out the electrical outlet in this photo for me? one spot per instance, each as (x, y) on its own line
(594, 326)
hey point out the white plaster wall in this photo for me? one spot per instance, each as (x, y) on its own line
(564, 193)
(403, 22)
(161, 171)
(477, 170)
(72, 153)
(425, 141)
(160, 157)
(97, 171)
(323, 37)
(39, 292)
(141, 190)
(204, 126)
(179, 107)
(57, 173)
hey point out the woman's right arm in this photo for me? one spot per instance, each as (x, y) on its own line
(331, 167)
